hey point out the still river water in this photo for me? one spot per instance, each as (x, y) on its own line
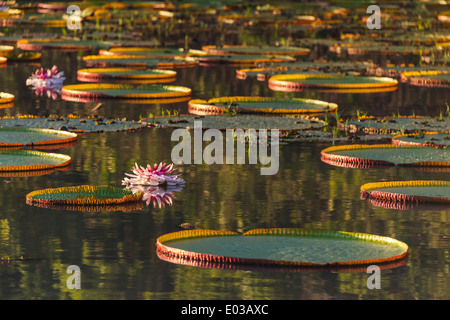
(116, 250)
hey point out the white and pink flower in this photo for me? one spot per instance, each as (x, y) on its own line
(153, 176)
(46, 78)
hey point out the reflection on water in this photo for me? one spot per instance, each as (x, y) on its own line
(116, 250)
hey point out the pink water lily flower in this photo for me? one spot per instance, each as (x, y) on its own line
(46, 78)
(153, 176)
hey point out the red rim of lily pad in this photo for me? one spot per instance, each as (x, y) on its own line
(329, 157)
(268, 105)
(165, 245)
(375, 190)
(281, 269)
(254, 50)
(83, 195)
(126, 74)
(59, 137)
(64, 161)
(399, 139)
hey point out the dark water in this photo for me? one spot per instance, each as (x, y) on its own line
(116, 250)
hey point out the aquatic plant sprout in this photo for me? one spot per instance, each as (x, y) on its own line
(152, 176)
(46, 78)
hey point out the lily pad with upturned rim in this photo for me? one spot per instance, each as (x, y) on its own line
(122, 91)
(242, 59)
(25, 160)
(262, 105)
(138, 62)
(255, 50)
(6, 97)
(126, 74)
(329, 81)
(83, 195)
(431, 191)
(244, 121)
(21, 137)
(72, 123)
(363, 156)
(428, 139)
(282, 247)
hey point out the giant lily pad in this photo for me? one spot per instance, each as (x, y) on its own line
(122, 91)
(408, 191)
(430, 139)
(64, 45)
(126, 74)
(361, 156)
(25, 160)
(286, 247)
(244, 121)
(6, 97)
(22, 56)
(83, 195)
(262, 105)
(138, 62)
(250, 59)
(328, 81)
(145, 52)
(397, 124)
(5, 49)
(255, 50)
(71, 123)
(21, 137)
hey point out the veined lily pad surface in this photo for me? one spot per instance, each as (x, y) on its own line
(431, 139)
(19, 137)
(83, 195)
(138, 61)
(386, 155)
(40, 44)
(255, 50)
(262, 105)
(408, 191)
(122, 91)
(126, 74)
(74, 124)
(24, 160)
(398, 124)
(287, 247)
(329, 81)
(237, 122)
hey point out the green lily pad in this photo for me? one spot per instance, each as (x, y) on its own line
(287, 247)
(255, 50)
(83, 195)
(20, 137)
(25, 160)
(138, 61)
(238, 122)
(385, 155)
(261, 105)
(408, 191)
(431, 139)
(73, 124)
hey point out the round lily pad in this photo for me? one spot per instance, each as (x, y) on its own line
(25, 160)
(251, 59)
(21, 137)
(3, 60)
(244, 121)
(328, 81)
(83, 195)
(6, 97)
(361, 155)
(22, 56)
(397, 124)
(138, 62)
(122, 91)
(429, 139)
(126, 74)
(145, 52)
(279, 246)
(436, 80)
(5, 49)
(63, 45)
(261, 105)
(71, 123)
(408, 191)
(255, 50)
